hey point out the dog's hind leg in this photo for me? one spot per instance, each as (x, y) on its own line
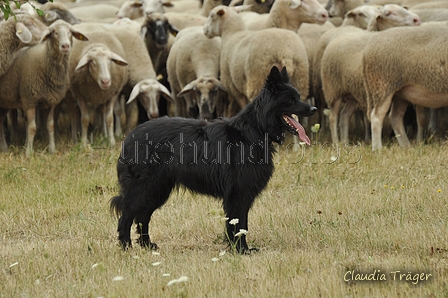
(158, 197)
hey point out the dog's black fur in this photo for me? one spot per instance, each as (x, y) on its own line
(229, 159)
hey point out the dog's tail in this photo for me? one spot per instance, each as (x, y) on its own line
(116, 205)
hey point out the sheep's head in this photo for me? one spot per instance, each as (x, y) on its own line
(156, 28)
(149, 91)
(216, 18)
(392, 15)
(151, 6)
(206, 93)
(98, 59)
(60, 34)
(29, 29)
(361, 16)
(307, 11)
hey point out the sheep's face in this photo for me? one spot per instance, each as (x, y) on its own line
(156, 29)
(393, 15)
(99, 60)
(360, 16)
(335, 8)
(206, 93)
(151, 6)
(213, 25)
(308, 11)
(130, 9)
(149, 91)
(60, 35)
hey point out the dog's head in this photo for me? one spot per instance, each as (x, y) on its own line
(277, 102)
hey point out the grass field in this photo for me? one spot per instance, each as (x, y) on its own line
(328, 217)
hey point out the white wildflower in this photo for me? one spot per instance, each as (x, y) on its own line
(156, 263)
(315, 128)
(215, 259)
(155, 253)
(241, 232)
(176, 281)
(234, 221)
(166, 274)
(118, 278)
(222, 253)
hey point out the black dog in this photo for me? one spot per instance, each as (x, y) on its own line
(229, 159)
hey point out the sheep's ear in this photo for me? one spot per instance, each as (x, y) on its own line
(235, 3)
(240, 8)
(221, 12)
(293, 4)
(143, 31)
(134, 93)
(165, 92)
(187, 89)
(82, 62)
(117, 59)
(46, 34)
(350, 14)
(23, 33)
(50, 16)
(405, 7)
(137, 4)
(79, 35)
(218, 84)
(167, 4)
(173, 30)
(373, 24)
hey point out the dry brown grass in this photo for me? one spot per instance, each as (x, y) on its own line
(314, 222)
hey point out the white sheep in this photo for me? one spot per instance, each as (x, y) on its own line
(341, 68)
(338, 8)
(184, 20)
(404, 65)
(97, 77)
(247, 56)
(287, 14)
(132, 9)
(193, 72)
(141, 71)
(15, 34)
(39, 77)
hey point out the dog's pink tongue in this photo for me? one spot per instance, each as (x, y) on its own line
(300, 130)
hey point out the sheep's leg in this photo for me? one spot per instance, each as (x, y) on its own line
(131, 116)
(3, 144)
(421, 119)
(397, 112)
(109, 116)
(74, 116)
(85, 120)
(31, 130)
(118, 112)
(50, 129)
(367, 128)
(333, 116)
(377, 115)
(345, 115)
(432, 126)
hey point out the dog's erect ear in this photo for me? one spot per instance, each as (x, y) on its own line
(273, 79)
(285, 75)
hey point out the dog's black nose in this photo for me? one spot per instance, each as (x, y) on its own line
(313, 110)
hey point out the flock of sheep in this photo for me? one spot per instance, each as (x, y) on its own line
(106, 60)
